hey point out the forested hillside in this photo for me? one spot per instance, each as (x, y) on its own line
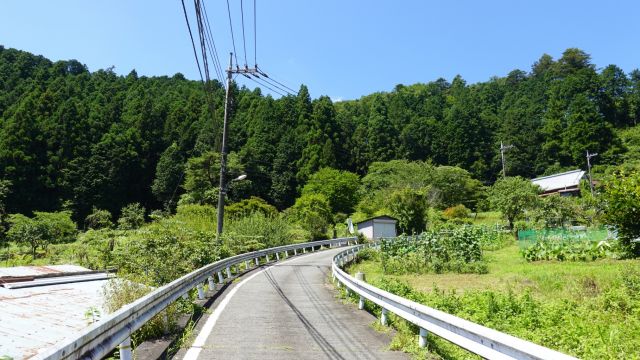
(74, 139)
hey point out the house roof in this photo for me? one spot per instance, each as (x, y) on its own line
(569, 179)
(383, 217)
(41, 305)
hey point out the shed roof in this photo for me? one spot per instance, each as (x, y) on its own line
(569, 179)
(383, 217)
(37, 317)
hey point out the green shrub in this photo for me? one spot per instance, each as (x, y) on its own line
(131, 217)
(446, 250)
(249, 206)
(98, 219)
(549, 249)
(456, 212)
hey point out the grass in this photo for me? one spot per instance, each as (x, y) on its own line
(489, 218)
(509, 271)
(587, 309)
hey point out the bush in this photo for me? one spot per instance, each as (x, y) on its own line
(131, 217)
(250, 206)
(98, 219)
(43, 229)
(567, 250)
(621, 199)
(456, 212)
(448, 250)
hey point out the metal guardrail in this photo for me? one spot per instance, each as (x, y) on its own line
(480, 340)
(103, 337)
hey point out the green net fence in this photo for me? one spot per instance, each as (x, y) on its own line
(526, 238)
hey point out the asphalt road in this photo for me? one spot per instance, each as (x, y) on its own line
(289, 311)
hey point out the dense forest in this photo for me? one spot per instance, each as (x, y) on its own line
(73, 139)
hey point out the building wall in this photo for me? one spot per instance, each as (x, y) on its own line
(384, 228)
(366, 229)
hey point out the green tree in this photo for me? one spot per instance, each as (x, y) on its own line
(131, 217)
(202, 177)
(410, 208)
(169, 173)
(621, 197)
(341, 188)
(313, 213)
(246, 207)
(512, 196)
(43, 229)
(98, 219)
(4, 191)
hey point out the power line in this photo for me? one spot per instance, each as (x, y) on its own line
(195, 53)
(264, 80)
(216, 59)
(257, 81)
(261, 72)
(255, 37)
(244, 41)
(233, 40)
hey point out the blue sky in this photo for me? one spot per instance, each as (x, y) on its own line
(344, 49)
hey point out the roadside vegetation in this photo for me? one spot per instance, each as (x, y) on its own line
(131, 182)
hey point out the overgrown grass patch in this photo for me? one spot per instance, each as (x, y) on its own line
(587, 309)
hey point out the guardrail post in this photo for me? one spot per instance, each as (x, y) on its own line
(267, 257)
(200, 291)
(384, 318)
(277, 257)
(361, 276)
(220, 278)
(125, 350)
(304, 250)
(212, 284)
(228, 272)
(295, 252)
(256, 261)
(422, 341)
(246, 265)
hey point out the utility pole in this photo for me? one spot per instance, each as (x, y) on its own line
(225, 129)
(589, 156)
(504, 148)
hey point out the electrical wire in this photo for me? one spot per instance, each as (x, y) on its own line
(272, 84)
(244, 40)
(261, 72)
(266, 86)
(233, 40)
(255, 36)
(195, 53)
(216, 59)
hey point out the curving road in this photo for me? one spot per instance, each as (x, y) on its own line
(289, 311)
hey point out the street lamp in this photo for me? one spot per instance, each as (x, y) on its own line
(222, 195)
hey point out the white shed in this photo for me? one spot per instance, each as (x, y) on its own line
(378, 227)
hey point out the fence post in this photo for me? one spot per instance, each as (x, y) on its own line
(384, 318)
(422, 341)
(125, 349)
(212, 284)
(200, 291)
(361, 276)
